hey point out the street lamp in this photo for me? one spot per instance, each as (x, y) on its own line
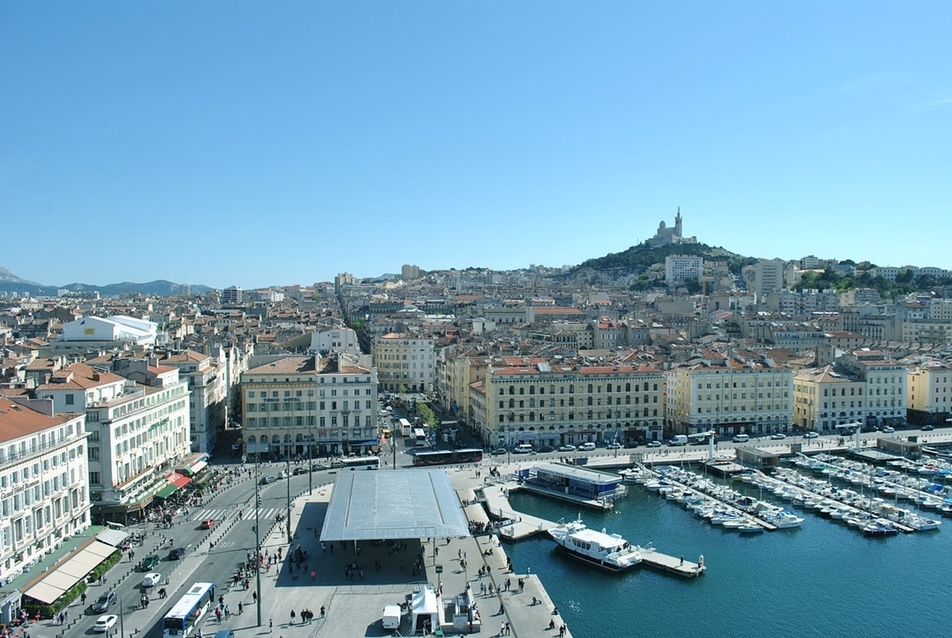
(310, 451)
(257, 560)
(512, 417)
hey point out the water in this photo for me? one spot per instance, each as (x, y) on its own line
(820, 580)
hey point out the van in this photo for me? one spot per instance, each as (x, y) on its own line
(587, 447)
(741, 438)
(391, 617)
(522, 448)
(678, 439)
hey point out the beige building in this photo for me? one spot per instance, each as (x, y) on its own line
(929, 394)
(330, 401)
(208, 396)
(886, 383)
(44, 481)
(542, 402)
(729, 395)
(826, 397)
(405, 361)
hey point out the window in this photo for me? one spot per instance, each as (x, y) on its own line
(69, 399)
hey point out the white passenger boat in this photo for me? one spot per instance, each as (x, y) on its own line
(610, 552)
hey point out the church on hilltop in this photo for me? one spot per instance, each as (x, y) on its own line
(667, 236)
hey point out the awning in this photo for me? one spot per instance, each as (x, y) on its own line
(73, 569)
(166, 491)
(193, 469)
(178, 480)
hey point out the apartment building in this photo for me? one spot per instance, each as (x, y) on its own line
(929, 394)
(208, 396)
(330, 338)
(138, 430)
(542, 402)
(886, 385)
(404, 361)
(729, 395)
(330, 402)
(44, 484)
(680, 268)
(826, 397)
(768, 277)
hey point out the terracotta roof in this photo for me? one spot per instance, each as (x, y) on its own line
(17, 421)
(80, 376)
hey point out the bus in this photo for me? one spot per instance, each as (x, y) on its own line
(185, 614)
(700, 437)
(443, 457)
(405, 429)
(419, 435)
(359, 463)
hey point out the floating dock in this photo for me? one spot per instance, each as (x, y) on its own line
(678, 566)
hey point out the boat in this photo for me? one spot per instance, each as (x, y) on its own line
(609, 552)
(879, 527)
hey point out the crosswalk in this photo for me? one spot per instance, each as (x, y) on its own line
(247, 514)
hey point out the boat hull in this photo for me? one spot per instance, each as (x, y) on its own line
(608, 567)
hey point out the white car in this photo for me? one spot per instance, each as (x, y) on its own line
(105, 623)
(568, 447)
(151, 579)
(587, 447)
(613, 446)
(779, 436)
(811, 435)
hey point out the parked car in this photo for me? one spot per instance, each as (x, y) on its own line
(889, 429)
(300, 470)
(568, 447)
(523, 448)
(812, 434)
(208, 523)
(105, 623)
(177, 553)
(265, 480)
(318, 467)
(654, 443)
(152, 579)
(547, 448)
(779, 436)
(587, 447)
(149, 562)
(928, 428)
(631, 444)
(104, 602)
(498, 451)
(741, 438)
(613, 446)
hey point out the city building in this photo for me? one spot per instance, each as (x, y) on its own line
(404, 362)
(288, 401)
(331, 338)
(138, 431)
(232, 296)
(667, 236)
(680, 268)
(208, 396)
(768, 277)
(929, 394)
(826, 397)
(886, 385)
(44, 481)
(728, 394)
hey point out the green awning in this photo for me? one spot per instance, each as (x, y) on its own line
(187, 471)
(167, 491)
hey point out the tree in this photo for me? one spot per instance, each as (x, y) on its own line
(693, 285)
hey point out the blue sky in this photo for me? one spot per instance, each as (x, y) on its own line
(256, 143)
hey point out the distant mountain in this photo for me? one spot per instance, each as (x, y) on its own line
(637, 258)
(10, 283)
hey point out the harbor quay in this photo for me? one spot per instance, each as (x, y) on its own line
(353, 583)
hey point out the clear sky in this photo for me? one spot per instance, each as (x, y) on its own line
(262, 143)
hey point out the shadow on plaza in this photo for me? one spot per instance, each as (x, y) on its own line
(339, 563)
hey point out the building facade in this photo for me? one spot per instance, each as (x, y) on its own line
(827, 397)
(208, 396)
(404, 362)
(679, 268)
(929, 394)
(330, 402)
(44, 481)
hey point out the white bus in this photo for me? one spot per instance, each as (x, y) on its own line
(185, 614)
(419, 435)
(405, 428)
(360, 463)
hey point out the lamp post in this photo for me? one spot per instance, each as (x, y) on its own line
(257, 560)
(122, 629)
(512, 417)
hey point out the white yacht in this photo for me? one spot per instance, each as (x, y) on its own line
(610, 552)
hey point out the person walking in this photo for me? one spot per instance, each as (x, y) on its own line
(323, 610)
(240, 608)
(292, 616)
(270, 626)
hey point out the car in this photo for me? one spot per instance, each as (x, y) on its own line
(151, 579)
(208, 523)
(889, 429)
(523, 448)
(299, 470)
(547, 448)
(105, 623)
(778, 436)
(265, 480)
(149, 562)
(812, 434)
(741, 438)
(587, 447)
(282, 474)
(568, 447)
(498, 451)
(654, 443)
(177, 553)
(103, 603)
(613, 446)
(928, 428)
(631, 444)
(318, 467)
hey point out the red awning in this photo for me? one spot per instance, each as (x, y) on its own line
(178, 480)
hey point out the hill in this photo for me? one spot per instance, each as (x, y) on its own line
(638, 258)
(10, 283)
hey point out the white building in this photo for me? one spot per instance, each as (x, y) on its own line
(115, 328)
(680, 268)
(886, 383)
(403, 360)
(208, 399)
(929, 393)
(768, 277)
(44, 488)
(327, 339)
(137, 431)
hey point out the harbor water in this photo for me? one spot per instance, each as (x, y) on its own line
(820, 580)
